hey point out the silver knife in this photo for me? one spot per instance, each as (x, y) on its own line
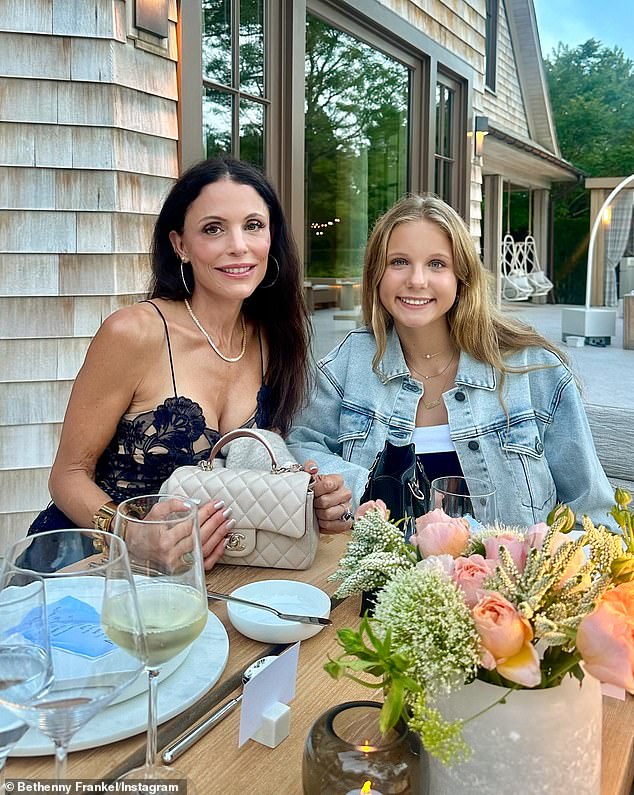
(223, 597)
(188, 738)
(198, 730)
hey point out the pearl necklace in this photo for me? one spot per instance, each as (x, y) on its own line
(211, 342)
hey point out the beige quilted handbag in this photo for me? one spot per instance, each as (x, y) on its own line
(275, 522)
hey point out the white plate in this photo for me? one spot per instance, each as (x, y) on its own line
(197, 674)
(288, 596)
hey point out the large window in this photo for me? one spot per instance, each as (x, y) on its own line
(235, 101)
(356, 145)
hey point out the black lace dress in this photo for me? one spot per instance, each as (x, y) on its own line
(148, 447)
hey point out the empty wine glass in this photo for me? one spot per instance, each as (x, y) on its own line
(163, 541)
(11, 730)
(470, 498)
(65, 667)
(22, 604)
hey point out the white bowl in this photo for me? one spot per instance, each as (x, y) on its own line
(285, 595)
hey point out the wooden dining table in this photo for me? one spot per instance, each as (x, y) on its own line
(216, 766)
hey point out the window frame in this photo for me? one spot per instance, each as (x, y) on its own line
(491, 44)
(458, 140)
(372, 22)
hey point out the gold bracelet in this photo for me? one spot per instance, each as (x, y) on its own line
(102, 520)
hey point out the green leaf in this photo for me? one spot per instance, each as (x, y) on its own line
(334, 669)
(392, 707)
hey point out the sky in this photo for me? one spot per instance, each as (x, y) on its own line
(575, 21)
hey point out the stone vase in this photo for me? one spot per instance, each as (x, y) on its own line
(540, 742)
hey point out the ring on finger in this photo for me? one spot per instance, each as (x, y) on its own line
(347, 515)
(187, 558)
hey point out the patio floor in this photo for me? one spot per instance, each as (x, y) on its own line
(606, 374)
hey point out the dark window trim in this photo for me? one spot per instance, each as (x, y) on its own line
(190, 87)
(491, 44)
(461, 172)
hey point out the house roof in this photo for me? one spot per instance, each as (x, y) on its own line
(530, 163)
(532, 74)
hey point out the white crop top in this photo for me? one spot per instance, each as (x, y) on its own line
(433, 439)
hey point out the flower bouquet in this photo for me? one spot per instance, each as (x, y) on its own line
(516, 608)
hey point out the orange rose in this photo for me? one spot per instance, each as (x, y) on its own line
(506, 640)
(605, 638)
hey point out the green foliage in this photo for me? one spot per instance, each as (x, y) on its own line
(592, 95)
(377, 658)
(624, 516)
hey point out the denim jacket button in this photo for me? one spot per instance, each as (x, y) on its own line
(473, 445)
(460, 396)
(539, 447)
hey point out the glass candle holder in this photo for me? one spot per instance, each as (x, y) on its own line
(346, 754)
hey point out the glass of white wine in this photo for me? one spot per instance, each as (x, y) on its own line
(60, 666)
(163, 540)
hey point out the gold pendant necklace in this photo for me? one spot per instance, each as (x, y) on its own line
(211, 342)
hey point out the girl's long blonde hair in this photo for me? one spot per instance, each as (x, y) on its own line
(475, 324)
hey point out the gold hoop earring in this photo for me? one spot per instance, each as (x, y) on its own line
(187, 290)
(277, 265)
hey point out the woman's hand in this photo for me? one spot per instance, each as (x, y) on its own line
(167, 545)
(332, 501)
(215, 524)
(164, 545)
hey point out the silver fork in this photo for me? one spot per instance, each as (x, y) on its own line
(223, 597)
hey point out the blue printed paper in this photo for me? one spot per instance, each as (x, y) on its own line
(73, 626)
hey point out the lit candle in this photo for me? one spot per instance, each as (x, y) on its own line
(366, 789)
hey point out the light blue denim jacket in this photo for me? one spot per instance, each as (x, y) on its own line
(539, 454)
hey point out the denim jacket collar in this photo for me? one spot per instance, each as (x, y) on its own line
(392, 364)
(471, 372)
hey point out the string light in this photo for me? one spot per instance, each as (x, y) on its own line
(317, 226)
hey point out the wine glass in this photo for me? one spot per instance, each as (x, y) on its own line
(470, 498)
(64, 650)
(163, 541)
(11, 728)
(21, 603)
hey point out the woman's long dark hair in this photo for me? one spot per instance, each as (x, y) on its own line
(279, 310)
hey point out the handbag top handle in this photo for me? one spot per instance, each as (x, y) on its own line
(249, 434)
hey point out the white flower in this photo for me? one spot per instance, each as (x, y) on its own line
(441, 564)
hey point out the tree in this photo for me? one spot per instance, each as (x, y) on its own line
(592, 95)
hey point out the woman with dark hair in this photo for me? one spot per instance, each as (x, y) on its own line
(221, 343)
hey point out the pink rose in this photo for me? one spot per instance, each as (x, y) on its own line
(506, 640)
(470, 573)
(536, 533)
(605, 638)
(439, 534)
(517, 547)
(372, 505)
